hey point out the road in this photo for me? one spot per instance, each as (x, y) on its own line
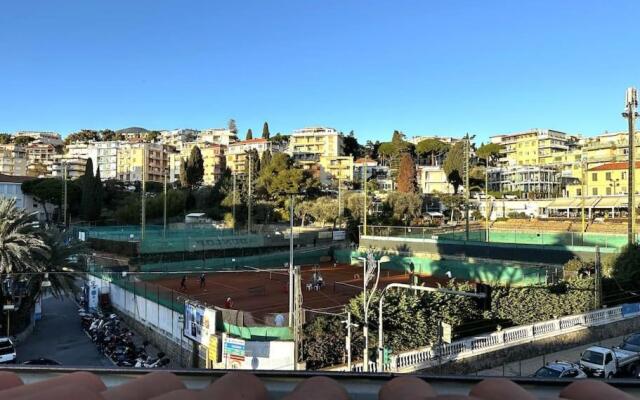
(58, 336)
(529, 366)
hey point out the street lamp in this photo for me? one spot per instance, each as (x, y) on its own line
(349, 325)
(370, 266)
(410, 287)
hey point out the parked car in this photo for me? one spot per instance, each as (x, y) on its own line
(41, 361)
(603, 362)
(631, 343)
(7, 350)
(560, 369)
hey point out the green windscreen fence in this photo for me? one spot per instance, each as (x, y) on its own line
(500, 273)
(516, 236)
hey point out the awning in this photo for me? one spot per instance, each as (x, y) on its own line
(566, 202)
(612, 202)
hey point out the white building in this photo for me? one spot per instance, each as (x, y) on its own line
(107, 159)
(445, 139)
(217, 135)
(11, 187)
(175, 137)
(525, 179)
(44, 137)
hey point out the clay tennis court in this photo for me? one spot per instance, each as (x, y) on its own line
(267, 291)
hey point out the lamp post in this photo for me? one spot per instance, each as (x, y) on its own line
(370, 266)
(347, 339)
(631, 103)
(410, 287)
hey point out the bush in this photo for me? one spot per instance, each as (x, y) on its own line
(517, 215)
(540, 303)
(625, 267)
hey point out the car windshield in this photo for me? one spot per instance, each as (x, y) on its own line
(546, 372)
(592, 357)
(633, 340)
(6, 347)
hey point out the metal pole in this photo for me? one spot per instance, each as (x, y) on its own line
(164, 211)
(486, 199)
(291, 264)
(584, 178)
(630, 114)
(249, 195)
(234, 202)
(364, 205)
(365, 325)
(339, 200)
(348, 341)
(143, 189)
(466, 184)
(64, 208)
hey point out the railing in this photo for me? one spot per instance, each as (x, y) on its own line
(431, 356)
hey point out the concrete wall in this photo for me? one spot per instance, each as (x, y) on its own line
(540, 347)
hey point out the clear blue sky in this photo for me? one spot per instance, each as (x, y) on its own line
(423, 67)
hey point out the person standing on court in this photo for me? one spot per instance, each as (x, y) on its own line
(183, 283)
(202, 282)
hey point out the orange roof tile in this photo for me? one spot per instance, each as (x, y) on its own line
(614, 166)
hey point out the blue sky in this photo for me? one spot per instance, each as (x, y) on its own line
(423, 67)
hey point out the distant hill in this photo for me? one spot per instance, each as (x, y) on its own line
(133, 129)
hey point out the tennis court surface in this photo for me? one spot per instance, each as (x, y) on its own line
(267, 291)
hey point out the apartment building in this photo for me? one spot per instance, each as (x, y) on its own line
(52, 138)
(236, 155)
(40, 155)
(13, 160)
(335, 168)
(76, 152)
(217, 135)
(213, 157)
(134, 158)
(433, 179)
(381, 173)
(318, 140)
(444, 139)
(176, 137)
(610, 179)
(75, 167)
(542, 180)
(534, 147)
(107, 159)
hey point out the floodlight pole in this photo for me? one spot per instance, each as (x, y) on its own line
(143, 189)
(64, 207)
(164, 208)
(366, 299)
(466, 185)
(291, 294)
(234, 201)
(364, 205)
(380, 364)
(631, 115)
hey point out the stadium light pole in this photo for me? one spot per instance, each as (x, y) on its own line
(414, 288)
(369, 266)
(631, 103)
(291, 296)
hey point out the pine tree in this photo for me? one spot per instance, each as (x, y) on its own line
(265, 131)
(233, 128)
(407, 174)
(249, 134)
(88, 192)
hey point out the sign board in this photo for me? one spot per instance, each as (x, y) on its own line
(9, 307)
(93, 296)
(234, 352)
(82, 236)
(446, 332)
(339, 235)
(213, 349)
(199, 323)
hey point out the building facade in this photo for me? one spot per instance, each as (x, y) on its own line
(13, 160)
(544, 181)
(534, 147)
(433, 179)
(134, 158)
(217, 135)
(334, 169)
(236, 155)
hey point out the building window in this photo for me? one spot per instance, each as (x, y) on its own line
(594, 191)
(608, 176)
(578, 192)
(594, 176)
(608, 191)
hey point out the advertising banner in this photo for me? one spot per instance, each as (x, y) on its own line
(199, 323)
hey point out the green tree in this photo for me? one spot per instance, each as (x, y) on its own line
(432, 148)
(265, 131)
(454, 165)
(352, 147)
(85, 135)
(489, 153)
(151, 136)
(324, 342)
(22, 140)
(407, 174)
(386, 151)
(5, 138)
(88, 192)
(98, 189)
(107, 135)
(195, 167)
(279, 139)
(266, 159)
(280, 177)
(625, 266)
(405, 207)
(233, 128)
(249, 134)
(325, 209)
(453, 204)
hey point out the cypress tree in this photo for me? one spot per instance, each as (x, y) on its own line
(195, 167)
(88, 192)
(98, 193)
(249, 134)
(265, 131)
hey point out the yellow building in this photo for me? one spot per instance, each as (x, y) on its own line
(319, 141)
(433, 179)
(534, 147)
(609, 179)
(133, 156)
(237, 153)
(336, 168)
(213, 157)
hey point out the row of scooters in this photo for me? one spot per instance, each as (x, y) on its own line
(115, 341)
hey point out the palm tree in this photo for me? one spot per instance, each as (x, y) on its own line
(21, 241)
